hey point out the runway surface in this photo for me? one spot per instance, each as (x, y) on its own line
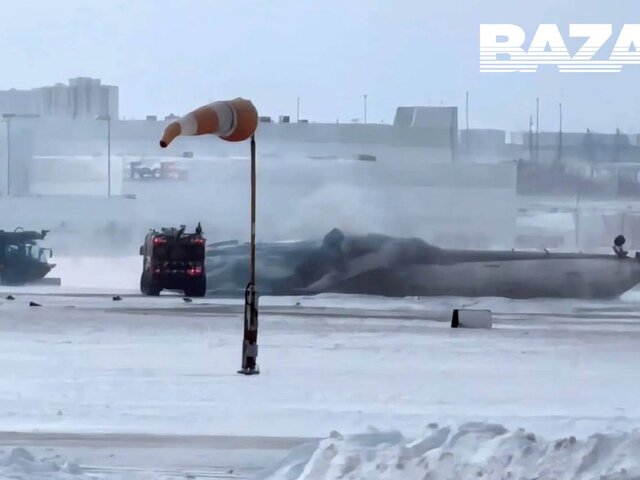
(147, 387)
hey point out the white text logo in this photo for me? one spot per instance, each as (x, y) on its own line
(502, 48)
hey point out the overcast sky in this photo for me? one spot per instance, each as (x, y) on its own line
(173, 55)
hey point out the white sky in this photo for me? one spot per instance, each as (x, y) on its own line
(174, 55)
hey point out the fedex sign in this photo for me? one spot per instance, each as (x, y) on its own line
(502, 48)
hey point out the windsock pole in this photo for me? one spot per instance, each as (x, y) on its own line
(253, 209)
(250, 339)
(234, 121)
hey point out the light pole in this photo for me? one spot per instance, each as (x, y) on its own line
(107, 118)
(365, 108)
(7, 118)
(537, 130)
(466, 114)
(560, 135)
(466, 110)
(530, 137)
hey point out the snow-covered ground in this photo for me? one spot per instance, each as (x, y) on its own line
(83, 365)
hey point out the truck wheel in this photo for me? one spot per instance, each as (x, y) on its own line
(148, 288)
(198, 289)
(154, 291)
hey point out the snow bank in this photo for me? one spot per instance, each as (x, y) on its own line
(20, 464)
(473, 450)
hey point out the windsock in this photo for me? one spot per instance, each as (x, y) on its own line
(232, 120)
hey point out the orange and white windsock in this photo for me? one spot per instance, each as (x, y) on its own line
(232, 120)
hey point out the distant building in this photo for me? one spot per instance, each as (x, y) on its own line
(483, 139)
(427, 126)
(571, 139)
(82, 98)
(427, 117)
(18, 101)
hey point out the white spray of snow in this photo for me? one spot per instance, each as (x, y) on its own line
(473, 450)
(108, 273)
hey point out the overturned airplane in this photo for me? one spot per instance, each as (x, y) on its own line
(399, 267)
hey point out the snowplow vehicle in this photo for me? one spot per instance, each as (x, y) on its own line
(174, 260)
(22, 261)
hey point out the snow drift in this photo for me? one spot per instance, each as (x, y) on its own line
(20, 463)
(473, 450)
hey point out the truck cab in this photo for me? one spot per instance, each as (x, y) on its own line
(174, 260)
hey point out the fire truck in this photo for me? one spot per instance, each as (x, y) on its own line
(174, 260)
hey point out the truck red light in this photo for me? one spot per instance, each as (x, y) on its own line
(194, 271)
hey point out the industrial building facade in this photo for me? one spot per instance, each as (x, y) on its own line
(82, 98)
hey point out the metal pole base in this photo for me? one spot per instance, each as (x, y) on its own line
(254, 371)
(250, 341)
